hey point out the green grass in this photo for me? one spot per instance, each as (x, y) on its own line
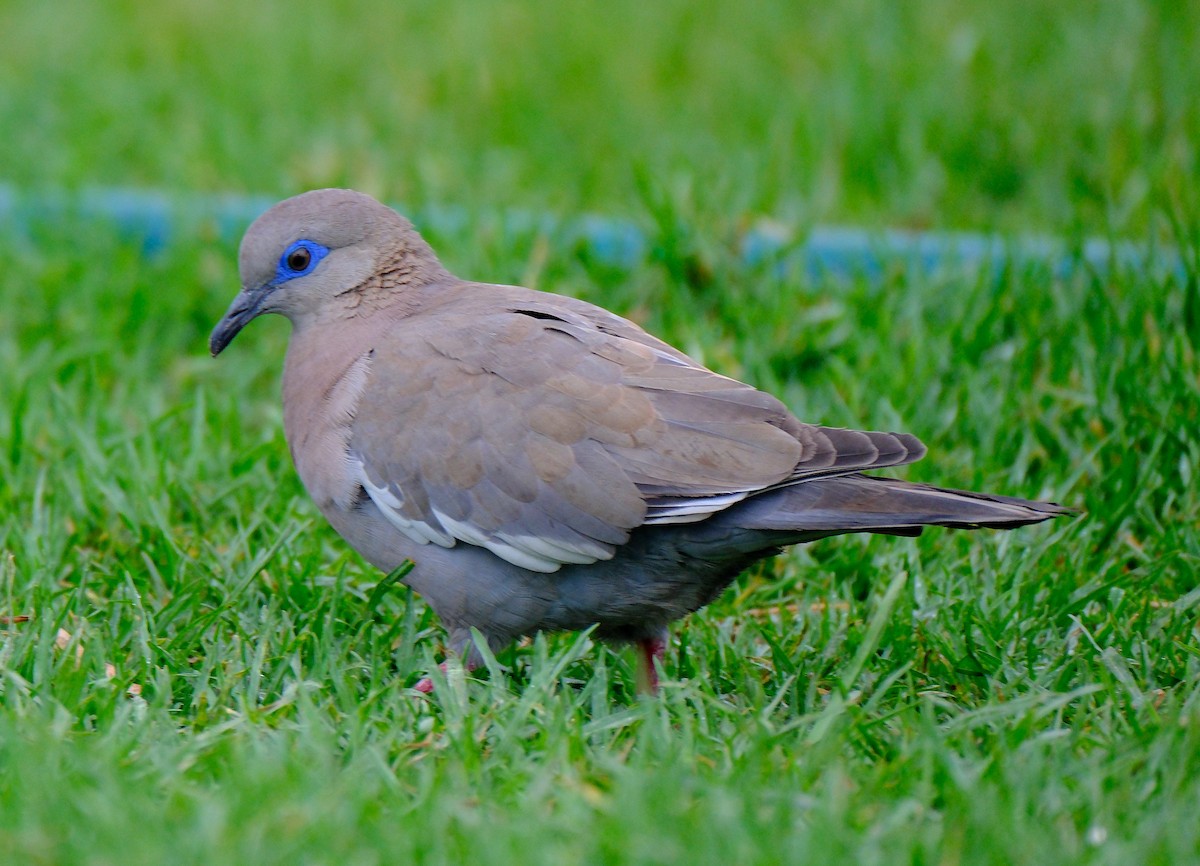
(207, 674)
(1024, 113)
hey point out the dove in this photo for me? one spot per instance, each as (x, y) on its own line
(545, 464)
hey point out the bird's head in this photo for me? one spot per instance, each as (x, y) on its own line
(306, 256)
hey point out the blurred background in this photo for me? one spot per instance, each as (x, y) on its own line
(1014, 115)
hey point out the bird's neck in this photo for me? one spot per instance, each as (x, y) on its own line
(401, 285)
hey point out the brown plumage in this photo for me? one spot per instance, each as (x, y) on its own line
(544, 463)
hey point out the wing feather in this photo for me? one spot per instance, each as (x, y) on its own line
(545, 430)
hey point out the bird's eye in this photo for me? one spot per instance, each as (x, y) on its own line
(298, 259)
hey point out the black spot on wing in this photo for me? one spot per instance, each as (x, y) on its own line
(540, 314)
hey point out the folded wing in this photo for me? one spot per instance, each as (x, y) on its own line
(548, 430)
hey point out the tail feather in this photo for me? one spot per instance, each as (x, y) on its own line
(864, 503)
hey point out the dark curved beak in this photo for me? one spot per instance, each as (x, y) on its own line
(246, 306)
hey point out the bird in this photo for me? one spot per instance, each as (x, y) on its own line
(545, 464)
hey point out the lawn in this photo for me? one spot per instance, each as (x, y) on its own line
(195, 669)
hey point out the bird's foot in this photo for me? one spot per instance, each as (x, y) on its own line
(425, 684)
(650, 657)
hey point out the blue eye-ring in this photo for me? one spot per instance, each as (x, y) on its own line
(299, 259)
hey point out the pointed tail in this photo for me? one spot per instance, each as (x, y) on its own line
(864, 503)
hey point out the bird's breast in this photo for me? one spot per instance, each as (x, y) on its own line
(321, 393)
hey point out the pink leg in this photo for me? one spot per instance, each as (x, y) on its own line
(425, 684)
(650, 657)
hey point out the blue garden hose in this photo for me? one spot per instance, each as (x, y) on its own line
(154, 218)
